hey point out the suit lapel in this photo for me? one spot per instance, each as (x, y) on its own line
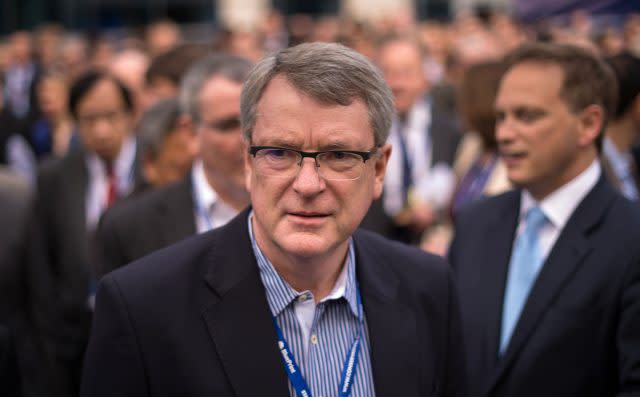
(176, 215)
(497, 253)
(569, 251)
(391, 325)
(238, 317)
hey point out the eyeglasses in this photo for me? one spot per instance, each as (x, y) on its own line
(331, 164)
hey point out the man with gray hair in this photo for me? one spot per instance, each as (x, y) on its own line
(166, 144)
(212, 193)
(288, 298)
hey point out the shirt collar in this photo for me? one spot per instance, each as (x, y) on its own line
(205, 195)
(559, 205)
(280, 294)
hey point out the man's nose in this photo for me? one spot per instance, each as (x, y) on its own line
(308, 180)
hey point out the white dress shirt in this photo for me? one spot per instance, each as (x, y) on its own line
(209, 210)
(559, 206)
(98, 188)
(431, 183)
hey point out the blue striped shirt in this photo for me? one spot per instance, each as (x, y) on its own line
(321, 341)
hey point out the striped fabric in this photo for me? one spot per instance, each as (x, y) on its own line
(334, 327)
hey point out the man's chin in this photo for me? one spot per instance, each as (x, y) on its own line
(304, 244)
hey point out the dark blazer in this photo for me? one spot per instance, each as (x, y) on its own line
(579, 331)
(16, 333)
(9, 371)
(68, 256)
(140, 225)
(193, 320)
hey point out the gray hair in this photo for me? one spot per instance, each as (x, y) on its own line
(328, 72)
(229, 66)
(156, 124)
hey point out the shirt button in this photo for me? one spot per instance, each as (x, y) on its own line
(314, 339)
(304, 297)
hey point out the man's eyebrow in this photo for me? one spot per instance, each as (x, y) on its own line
(280, 141)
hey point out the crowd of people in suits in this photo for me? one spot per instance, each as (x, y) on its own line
(112, 150)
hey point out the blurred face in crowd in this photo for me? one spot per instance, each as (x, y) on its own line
(20, 47)
(103, 120)
(543, 143)
(53, 94)
(218, 132)
(174, 159)
(306, 215)
(402, 66)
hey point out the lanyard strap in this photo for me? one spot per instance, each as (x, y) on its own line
(348, 371)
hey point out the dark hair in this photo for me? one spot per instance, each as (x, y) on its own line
(174, 63)
(626, 68)
(587, 79)
(87, 81)
(476, 97)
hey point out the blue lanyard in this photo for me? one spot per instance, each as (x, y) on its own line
(348, 370)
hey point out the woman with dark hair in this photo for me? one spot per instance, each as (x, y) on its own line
(478, 167)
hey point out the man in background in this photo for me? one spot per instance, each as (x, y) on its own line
(212, 193)
(624, 128)
(425, 137)
(549, 274)
(73, 192)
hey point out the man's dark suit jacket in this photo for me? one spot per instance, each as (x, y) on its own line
(579, 331)
(140, 225)
(193, 320)
(69, 255)
(9, 371)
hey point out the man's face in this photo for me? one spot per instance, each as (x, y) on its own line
(218, 131)
(103, 120)
(542, 142)
(402, 67)
(173, 161)
(307, 216)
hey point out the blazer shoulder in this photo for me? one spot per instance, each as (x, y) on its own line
(405, 260)
(490, 205)
(160, 269)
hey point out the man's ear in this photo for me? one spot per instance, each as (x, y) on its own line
(149, 169)
(381, 160)
(591, 121)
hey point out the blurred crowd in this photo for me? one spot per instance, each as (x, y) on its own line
(111, 148)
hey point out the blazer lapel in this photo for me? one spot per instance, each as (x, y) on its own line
(569, 251)
(497, 245)
(238, 317)
(391, 325)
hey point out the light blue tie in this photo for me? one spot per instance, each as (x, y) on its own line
(526, 261)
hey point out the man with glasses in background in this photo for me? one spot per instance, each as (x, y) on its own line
(288, 298)
(72, 194)
(212, 193)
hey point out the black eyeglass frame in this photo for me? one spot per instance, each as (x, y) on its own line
(253, 150)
